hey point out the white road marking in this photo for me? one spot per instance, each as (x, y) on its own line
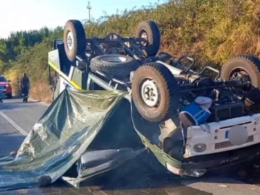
(17, 127)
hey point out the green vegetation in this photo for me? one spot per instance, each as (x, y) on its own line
(210, 30)
(28, 52)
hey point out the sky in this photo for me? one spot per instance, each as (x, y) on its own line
(17, 15)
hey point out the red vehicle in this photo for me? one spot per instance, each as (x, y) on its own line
(6, 87)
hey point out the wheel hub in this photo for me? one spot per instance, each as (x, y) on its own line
(144, 36)
(150, 93)
(241, 75)
(70, 41)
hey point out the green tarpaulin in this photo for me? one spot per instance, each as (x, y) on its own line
(74, 123)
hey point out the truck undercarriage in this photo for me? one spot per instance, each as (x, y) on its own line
(205, 121)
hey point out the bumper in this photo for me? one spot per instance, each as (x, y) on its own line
(216, 136)
(7, 90)
(199, 165)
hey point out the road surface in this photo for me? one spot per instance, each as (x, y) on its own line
(17, 119)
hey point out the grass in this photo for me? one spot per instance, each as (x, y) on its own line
(212, 31)
(41, 91)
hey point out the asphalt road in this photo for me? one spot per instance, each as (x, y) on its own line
(135, 178)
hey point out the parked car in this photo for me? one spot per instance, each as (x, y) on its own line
(6, 87)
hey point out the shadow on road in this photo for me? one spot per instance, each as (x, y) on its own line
(21, 99)
(10, 142)
(11, 105)
(17, 104)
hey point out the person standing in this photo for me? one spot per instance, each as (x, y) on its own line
(25, 86)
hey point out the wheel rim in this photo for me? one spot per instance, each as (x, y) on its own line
(242, 75)
(113, 59)
(150, 93)
(144, 35)
(70, 41)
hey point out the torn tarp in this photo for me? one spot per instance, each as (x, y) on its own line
(74, 123)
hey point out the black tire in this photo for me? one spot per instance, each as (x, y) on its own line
(120, 67)
(167, 87)
(153, 35)
(74, 30)
(248, 63)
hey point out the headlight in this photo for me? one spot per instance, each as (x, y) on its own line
(199, 147)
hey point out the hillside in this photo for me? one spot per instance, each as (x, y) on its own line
(211, 30)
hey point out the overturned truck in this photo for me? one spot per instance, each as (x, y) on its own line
(207, 118)
(116, 97)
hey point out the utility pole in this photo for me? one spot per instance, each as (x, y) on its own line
(89, 8)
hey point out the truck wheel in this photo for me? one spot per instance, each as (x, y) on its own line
(150, 32)
(155, 92)
(114, 65)
(244, 67)
(74, 39)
